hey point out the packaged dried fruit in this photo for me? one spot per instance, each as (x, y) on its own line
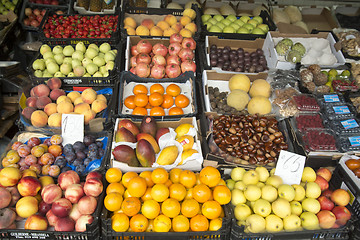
(304, 121)
(319, 140)
(349, 142)
(306, 103)
(348, 126)
(339, 111)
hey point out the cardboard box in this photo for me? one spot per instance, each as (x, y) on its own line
(319, 19)
(272, 57)
(193, 165)
(82, 10)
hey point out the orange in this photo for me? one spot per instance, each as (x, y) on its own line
(187, 178)
(211, 209)
(168, 183)
(113, 175)
(139, 223)
(139, 111)
(120, 222)
(189, 208)
(189, 193)
(147, 176)
(170, 207)
(131, 206)
(148, 106)
(175, 175)
(201, 193)
(156, 99)
(141, 99)
(199, 223)
(127, 177)
(177, 191)
(162, 223)
(222, 194)
(160, 192)
(215, 224)
(140, 89)
(147, 195)
(127, 194)
(176, 111)
(157, 87)
(168, 101)
(181, 101)
(159, 175)
(173, 90)
(222, 214)
(150, 209)
(180, 223)
(157, 111)
(150, 227)
(210, 176)
(115, 187)
(113, 201)
(197, 179)
(129, 102)
(137, 186)
(222, 182)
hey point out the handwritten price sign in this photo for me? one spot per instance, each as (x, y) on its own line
(72, 128)
(290, 167)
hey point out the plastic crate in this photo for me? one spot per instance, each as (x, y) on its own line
(82, 10)
(113, 40)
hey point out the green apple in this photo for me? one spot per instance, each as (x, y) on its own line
(220, 25)
(39, 64)
(208, 25)
(205, 17)
(308, 175)
(274, 181)
(311, 205)
(281, 207)
(245, 19)
(237, 173)
(52, 68)
(262, 207)
(218, 17)
(253, 22)
(215, 29)
(296, 208)
(44, 48)
(47, 55)
(230, 183)
(57, 49)
(59, 74)
(228, 29)
(234, 26)
(242, 212)
(299, 192)
(243, 30)
(240, 185)
(309, 221)
(231, 17)
(68, 51)
(257, 31)
(71, 74)
(269, 193)
(258, 19)
(237, 197)
(94, 46)
(250, 177)
(263, 173)
(255, 224)
(75, 62)
(212, 21)
(80, 46)
(286, 192)
(274, 223)
(65, 68)
(263, 27)
(292, 223)
(67, 60)
(248, 26)
(226, 22)
(313, 190)
(59, 58)
(252, 193)
(38, 73)
(239, 22)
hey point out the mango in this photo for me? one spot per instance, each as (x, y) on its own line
(129, 125)
(168, 155)
(148, 125)
(186, 142)
(150, 139)
(183, 129)
(186, 154)
(124, 135)
(125, 154)
(145, 153)
(160, 132)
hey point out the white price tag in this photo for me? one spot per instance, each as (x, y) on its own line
(72, 128)
(290, 167)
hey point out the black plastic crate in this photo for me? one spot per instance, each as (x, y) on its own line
(113, 39)
(117, 8)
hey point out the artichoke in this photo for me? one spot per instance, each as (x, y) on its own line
(299, 47)
(287, 41)
(293, 56)
(282, 49)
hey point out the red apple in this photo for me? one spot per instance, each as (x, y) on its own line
(174, 48)
(44, 208)
(75, 214)
(325, 173)
(52, 218)
(87, 205)
(94, 174)
(160, 49)
(36, 222)
(81, 223)
(74, 192)
(342, 215)
(322, 182)
(325, 203)
(188, 43)
(67, 178)
(144, 46)
(93, 187)
(176, 38)
(326, 218)
(29, 186)
(65, 224)
(340, 197)
(50, 193)
(327, 193)
(61, 207)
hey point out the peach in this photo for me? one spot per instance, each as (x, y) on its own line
(156, 31)
(41, 90)
(88, 116)
(5, 197)
(163, 25)
(37, 151)
(54, 120)
(73, 95)
(74, 192)
(36, 222)
(41, 102)
(36, 168)
(170, 19)
(27, 206)
(65, 225)
(15, 195)
(28, 173)
(55, 150)
(82, 107)
(192, 27)
(61, 207)
(29, 186)
(168, 32)
(81, 223)
(186, 33)
(101, 97)
(31, 102)
(54, 170)
(54, 83)
(177, 27)
(56, 93)
(62, 99)
(52, 218)
(65, 107)
(22, 151)
(39, 118)
(13, 156)
(130, 30)
(46, 158)
(142, 31)
(45, 170)
(44, 208)
(94, 174)
(67, 178)
(9, 176)
(50, 193)
(149, 23)
(78, 101)
(33, 141)
(87, 205)
(46, 180)
(74, 213)
(130, 22)
(184, 20)
(98, 105)
(50, 108)
(93, 187)
(88, 95)
(16, 145)
(7, 217)
(27, 112)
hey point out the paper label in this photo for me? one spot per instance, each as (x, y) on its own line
(290, 167)
(341, 109)
(354, 141)
(350, 123)
(331, 98)
(72, 128)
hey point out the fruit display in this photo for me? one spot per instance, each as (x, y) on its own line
(162, 201)
(247, 139)
(147, 145)
(46, 156)
(355, 71)
(6, 6)
(92, 7)
(349, 42)
(80, 26)
(43, 205)
(47, 2)
(75, 60)
(263, 203)
(306, 103)
(290, 15)
(162, 61)
(33, 17)
(354, 166)
(319, 140)
(157, 25)
(304, 121)
(47, 103)
(282, 100)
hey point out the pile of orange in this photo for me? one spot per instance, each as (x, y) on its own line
(157, 100)
(161, 201)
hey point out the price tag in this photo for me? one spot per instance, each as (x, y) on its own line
(72, 128)
(290, 167)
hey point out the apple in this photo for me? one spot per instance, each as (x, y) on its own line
(312, 190)
(281, 208)
(263, 27)
(273, 223)
(287, 192)
(205, 17)
(74, 192)
(237, 197)
(64, 224)
(218, 17)
(93, 187)
(230, 184)
(240, 185)
(237, 173)
(309, 221)
(308, 175)
(274, 181)
(311, 205)
(226, 22)
(269, 193)
(81, 223)
(231, 18)
(252, 193)
(262, 207)
(296, 208)
(342, 215)
(292, 223)
(257, 31)
(67, 178)
(325, 203)
(50, 193)
(325, 173)
(215, 29)
(242, 211)
(255, 224)
(326, 218)
(327, 193)
(340, 197)
(87, 205)
(322, 182)
(245, 19)
(36, 222)
(61, 207)
(243, 30)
